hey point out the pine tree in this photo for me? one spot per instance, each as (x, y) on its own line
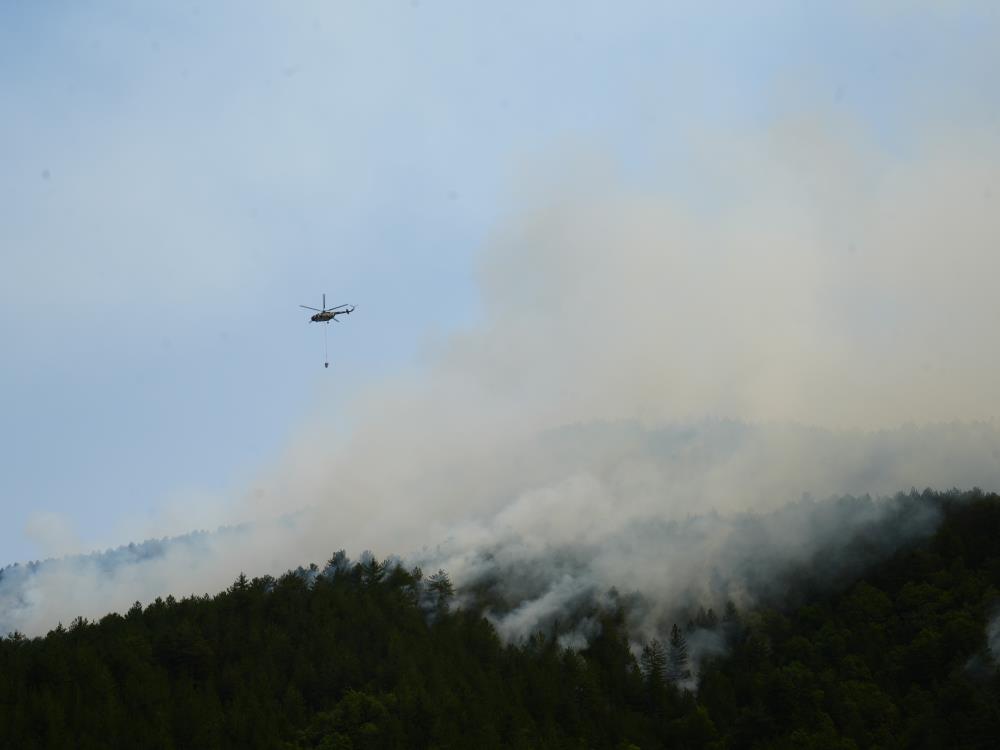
(372, 571)
(654, 662)
(337, 565)
(677, 660)
(442, 589)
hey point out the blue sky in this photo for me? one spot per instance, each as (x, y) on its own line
(178, 177)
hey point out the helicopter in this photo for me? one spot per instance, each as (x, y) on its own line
(328, 313)
(325, 315)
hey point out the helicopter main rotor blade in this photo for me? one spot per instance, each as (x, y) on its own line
(310, 308)
(328, 309)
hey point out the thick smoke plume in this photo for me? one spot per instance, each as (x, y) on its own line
(993, 638)
(654, 384)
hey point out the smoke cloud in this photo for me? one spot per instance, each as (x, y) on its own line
(655, 382)
(53, 532)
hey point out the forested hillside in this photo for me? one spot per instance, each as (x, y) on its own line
(372, 655)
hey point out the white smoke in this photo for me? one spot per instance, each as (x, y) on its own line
(658, 514)
(835, 302)
(993, 638)
(53, 533)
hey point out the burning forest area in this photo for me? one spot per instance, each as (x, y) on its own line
(658, 398)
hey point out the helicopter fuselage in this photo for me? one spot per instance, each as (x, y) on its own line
(328, 315)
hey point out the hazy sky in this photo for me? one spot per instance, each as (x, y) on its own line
(177, 177)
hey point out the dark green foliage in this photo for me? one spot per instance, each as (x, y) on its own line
(352, 657)
(654, 662)
(441, 590)
(677, 658)
(894, 658)
(370, 655)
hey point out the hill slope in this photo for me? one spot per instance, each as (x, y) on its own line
(370, 655)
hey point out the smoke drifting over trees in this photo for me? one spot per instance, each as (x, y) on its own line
(368, 653)
(625, 508)
(833, 301)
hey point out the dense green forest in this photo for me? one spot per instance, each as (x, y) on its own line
(371, 655)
